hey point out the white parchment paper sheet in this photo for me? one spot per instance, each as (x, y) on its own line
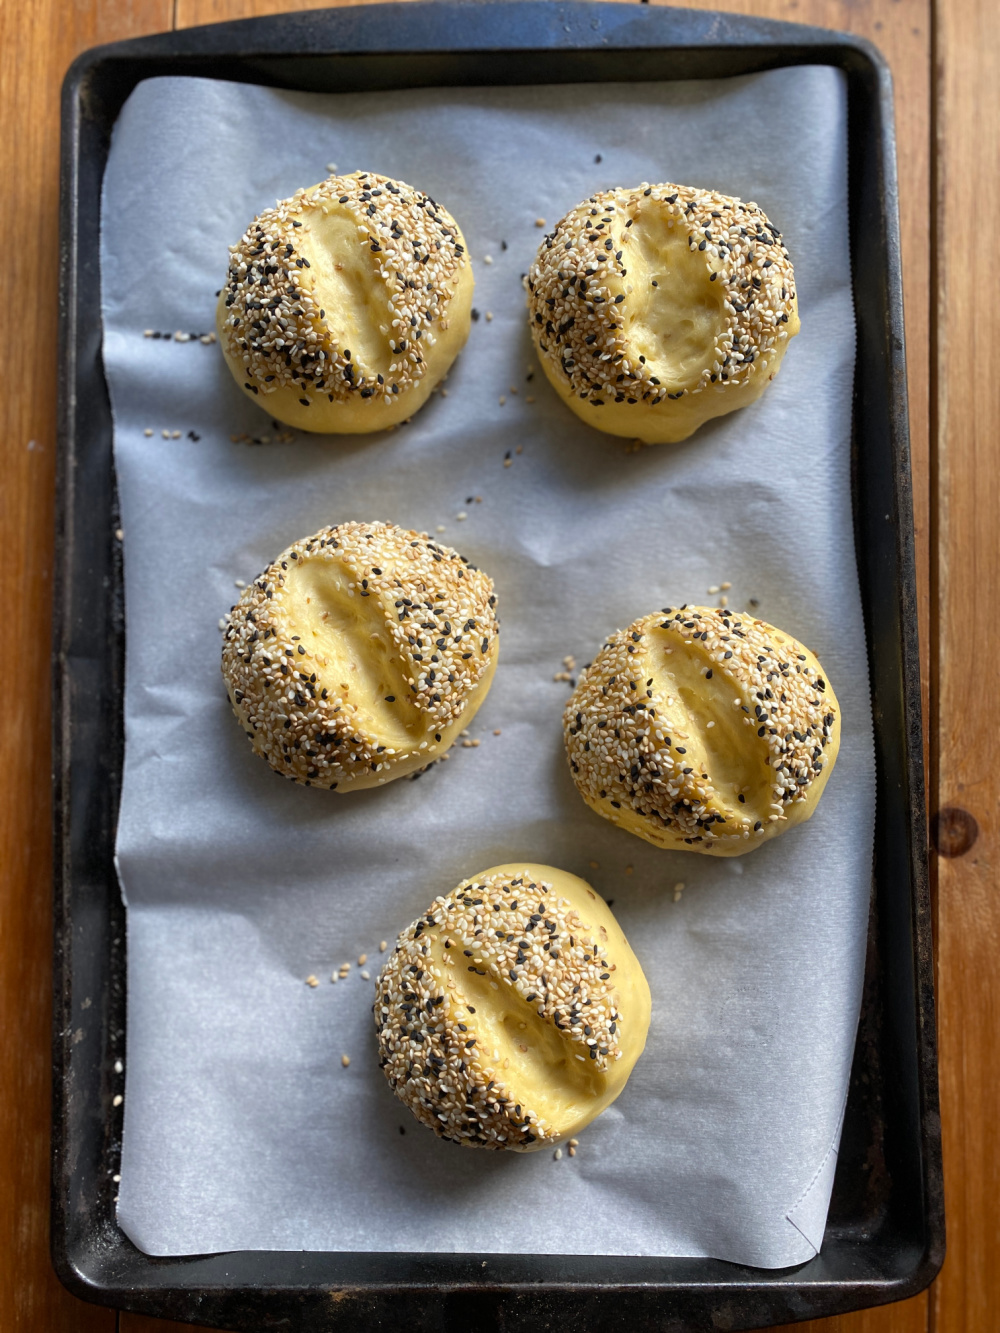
(242, 1129)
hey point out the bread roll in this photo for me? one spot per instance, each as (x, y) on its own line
(345, 305)
(360, 654)
(656, 309)
(512, 1012)
(702, 730)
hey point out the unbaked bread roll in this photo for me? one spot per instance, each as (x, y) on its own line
(656, 309)
(702, 730)
(512, 1012)
(345, 305)
(360, 654)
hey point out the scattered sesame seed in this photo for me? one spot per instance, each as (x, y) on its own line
(487, 259)
(362, 959)
(496, 731)
(539, 222)
(725, 586)
(312, 981)
(571, 1150)
(574, 1143)
(502, 400)
(628, 870)
(382, 946)
(147, 432)
(461, 516)
(117, 1099)
(558, 1154)
(175, 435)
(489, 315)
(365, 976)
(713, 589)
(119, 534)
(595, 865)
(345, 1060)
(119, 1067)
(147, 333)
(165, 434)
(331, 167)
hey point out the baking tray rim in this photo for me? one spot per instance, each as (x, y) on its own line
(368, 31)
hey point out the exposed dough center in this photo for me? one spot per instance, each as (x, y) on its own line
(691, 702)
(353, 296)
(675, 324)
(355, 654)
(541, 1066)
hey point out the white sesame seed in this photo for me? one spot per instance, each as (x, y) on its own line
(345, 1060)
(147, 432)
(117, 1099)
(119, 1067)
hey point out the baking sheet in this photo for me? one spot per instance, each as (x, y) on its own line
(242, 1128)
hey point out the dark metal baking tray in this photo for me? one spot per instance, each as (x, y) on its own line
(885, 1234)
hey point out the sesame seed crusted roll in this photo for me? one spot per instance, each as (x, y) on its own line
(655, 309)
(360, 654)
(702, 730)
(513, 1011)
(345, 305)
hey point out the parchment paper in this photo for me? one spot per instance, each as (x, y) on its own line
(242, 1127)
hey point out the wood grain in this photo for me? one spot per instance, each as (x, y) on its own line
(967, 430)
(38, 38)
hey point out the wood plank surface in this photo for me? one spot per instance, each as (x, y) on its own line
(38, 38)
(967, 494)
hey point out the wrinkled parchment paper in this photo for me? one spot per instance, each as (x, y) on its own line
(242, 1127)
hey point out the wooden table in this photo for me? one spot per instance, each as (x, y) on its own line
(945, 56)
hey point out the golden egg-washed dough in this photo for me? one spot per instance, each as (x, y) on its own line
(513, 1011)
(702, 730)
(345, 305)
(360, 654)
(657, 308)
